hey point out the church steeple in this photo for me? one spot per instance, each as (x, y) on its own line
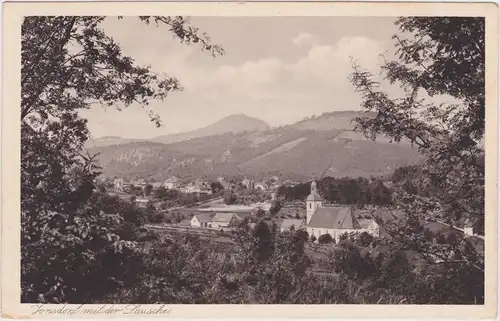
(313, 201)
(314, 189)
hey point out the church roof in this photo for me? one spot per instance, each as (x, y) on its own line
(337, 217)
(314, 197)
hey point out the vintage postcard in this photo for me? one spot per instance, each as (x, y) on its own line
(249, 160)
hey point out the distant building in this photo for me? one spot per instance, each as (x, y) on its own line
(288, 224)
(259, 187)
(201, 220)
(221, 220)
(140, 182)
(198, 187)
(171, 183)
(266, 206)
(473, 227)
(370, 226)
(333, 220)
(118, 184)
(249, 184)
(274, 187)
(217, 220)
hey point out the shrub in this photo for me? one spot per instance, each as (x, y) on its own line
(325, 238)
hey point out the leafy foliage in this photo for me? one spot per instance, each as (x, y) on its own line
(437, 56)
(76, 240)
(325, 238)
(359, 191)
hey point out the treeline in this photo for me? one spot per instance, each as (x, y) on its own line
(359, 191)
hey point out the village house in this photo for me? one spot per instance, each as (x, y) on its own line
(260, 186)
(469, 228)
(156, 184)
(201, 220)
(197, 187)
(118, 184)
(246, 182)
(334, 220)
(140, 182)
(292, 224)
(222, 220)
(171, 183)
(370, 226)
(218, 220)
(473, 227)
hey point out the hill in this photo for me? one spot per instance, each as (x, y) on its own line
(230, 124)
(334, 120)
(287, 151)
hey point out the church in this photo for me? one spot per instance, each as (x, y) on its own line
(334, 220)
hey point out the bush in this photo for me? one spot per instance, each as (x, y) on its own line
(229, 198)
(275, 207)
(365, 239)
(325, 239)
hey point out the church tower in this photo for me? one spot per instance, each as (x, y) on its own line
(313, 201)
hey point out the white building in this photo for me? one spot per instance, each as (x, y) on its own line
(217, 220)
(118, 184)
(333, 220)
(221, 220)
(201, 220)
(171, 183)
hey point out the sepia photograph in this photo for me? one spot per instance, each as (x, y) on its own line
(242, 160)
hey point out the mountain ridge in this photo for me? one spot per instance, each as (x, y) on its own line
(237, 123)
(234, 123)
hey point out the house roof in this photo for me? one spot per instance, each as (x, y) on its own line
(203, 217)
(287, 223)
(336, 217)
(364, 223)
(223, 217)
(243, 215)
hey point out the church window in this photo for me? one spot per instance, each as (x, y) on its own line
(310, 205)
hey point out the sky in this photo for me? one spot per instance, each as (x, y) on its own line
(277, 69)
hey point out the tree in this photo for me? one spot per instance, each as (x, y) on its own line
(264, 245)
(160, 192)
(69, 64)
(229, 198)
(365, 239)
(260, 213)
(325, 239)
(275, 207)
(440, 56)
(216, 187)
(148, 189)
